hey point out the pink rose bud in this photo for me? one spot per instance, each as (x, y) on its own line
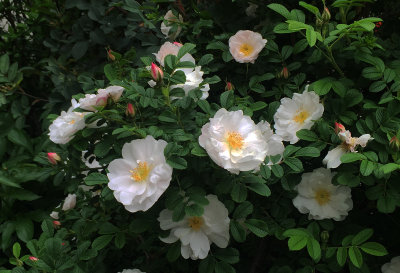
(53, 158)
(285, 72)
(326, 15)
(110, 55)
(130, 111)
(56, 224)
(394, 143)
(178, 44)
(32, 258)
(229, 86)
(339, 128)
(156, 73)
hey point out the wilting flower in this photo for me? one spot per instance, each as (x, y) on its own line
(63, 128)
(172, 49)
(251, 10)
(69, 202)
(54, 215)
(197, 233)
(156, 72)
(274, 142)
(297, 113)
(169, 20)
(142, 174)
(114, 92)
(318, 197)
(53, 158)
(233, 141)
(349, 144)
(193, 80)
(245, 46)
(131, 271)
(392, 267)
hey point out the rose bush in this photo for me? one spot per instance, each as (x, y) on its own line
(210, 136)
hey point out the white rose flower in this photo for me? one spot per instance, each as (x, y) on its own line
(193, 80)
(245, 46)
(297, 113)
(172, 49)
(274, 142)
(197, 233)
(113, 91)
(392, 267)
(54, 215)
(92, 100)
(142, 174)
(318, 197)
(233, 141)
(69, 202)
(169, 20)
(251, 10)
(63, 128)
(131, 271)
(349, 144)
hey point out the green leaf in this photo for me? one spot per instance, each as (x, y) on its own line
(311, 36)
(186, 48)
(79, 49)
(243, 210)
(351, 157)
(339, 88)
(110, 72)
(24, 229)
(16, 250)
(387, 168)
(194, 210)
(294, 163)
(308, 135)
(386, 204)
(102, 241)
(258, 227)
(8, 182)
(223, 267)
(96, 179)
(227, 99)
(377, 86)
(355, 256)
(308, 151)
(207, 265)
(174, 252)
(237, 231)
(277, 170)
(309, 7)
(374, 248)
(4, 63)
(366, 167)
(19, 137)
(259, 188)
(205, 106)
(47, 227)
(362, 236)
(228, 255)
(297, 242)
(239, 193)
(177, 162)
(314, 249)
(206, 59)
(119, 240)
(341, 255)
(258, 105)
(280, 9)
(322, 86)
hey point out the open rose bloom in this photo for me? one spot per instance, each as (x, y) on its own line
(245, 46)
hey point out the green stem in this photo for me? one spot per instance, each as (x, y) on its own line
(335, 65)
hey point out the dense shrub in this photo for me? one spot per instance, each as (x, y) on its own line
(188, 149)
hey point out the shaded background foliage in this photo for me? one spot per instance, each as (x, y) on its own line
(57, 49)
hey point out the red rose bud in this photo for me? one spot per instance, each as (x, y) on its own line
(339, 128)
(285, 72)
(32, 258)
(53, 158)
(110, 55)
(156, 73)
(394, 143)
(326, 15)
(178, 44)
(229, 86)
(56, 224)
(130, 111)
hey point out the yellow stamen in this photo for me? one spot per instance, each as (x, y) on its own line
(246, 49)
(235, 140)
(195, 222)
(301, 116)
(72, 122)
(322, 196)
(141, 172)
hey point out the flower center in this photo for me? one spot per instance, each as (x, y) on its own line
(246, 49)
(72, 122)
(235, 140)
(141, 172)
(195, 222)
(301, 116)
(322, 196)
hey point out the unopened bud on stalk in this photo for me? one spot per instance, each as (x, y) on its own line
(394, 143)
(285, 73)
(130, 111)
(339, 128)
(319, 22)
(56, 224)
(156, 73)
(326, 15)
(229, 86)
(178, 44)
(324, 236)
(53, 158)
(33, 258)
(110, 55)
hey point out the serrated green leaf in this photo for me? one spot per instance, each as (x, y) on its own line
(355, 256)
(374, 248)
